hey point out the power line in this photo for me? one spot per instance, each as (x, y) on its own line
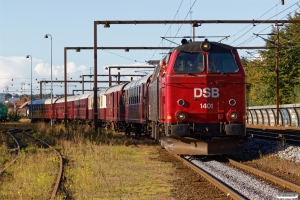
(262, 23)
(252, 37)
(257, 18)
(167, 30)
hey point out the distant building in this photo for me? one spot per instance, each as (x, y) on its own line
(19, 103)
(2, 97)
(12, 100)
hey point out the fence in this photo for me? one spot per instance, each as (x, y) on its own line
(289, 115)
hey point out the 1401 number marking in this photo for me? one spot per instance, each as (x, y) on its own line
(206, 105)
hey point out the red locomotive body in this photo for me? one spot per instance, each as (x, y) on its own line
(199, 93)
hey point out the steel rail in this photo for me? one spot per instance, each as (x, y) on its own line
(274, 135)
(211, 179)
(274, 179)
(8, 132)
(27, 132)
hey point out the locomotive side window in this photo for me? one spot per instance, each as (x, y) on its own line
(222, 62)
(189, 62)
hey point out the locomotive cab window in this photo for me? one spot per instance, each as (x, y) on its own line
(187, 62)
(222, 62)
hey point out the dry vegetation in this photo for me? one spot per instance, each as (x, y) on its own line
(31, 177)
(96, 166)
(100, 166)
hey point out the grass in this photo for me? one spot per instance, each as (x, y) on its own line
(96, 166)
(115, 172)
(25, 179)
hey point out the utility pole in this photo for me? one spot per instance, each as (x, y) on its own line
(277, 74)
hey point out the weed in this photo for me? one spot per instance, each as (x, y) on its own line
(96, 166)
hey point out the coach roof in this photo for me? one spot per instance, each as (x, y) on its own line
(115, 88)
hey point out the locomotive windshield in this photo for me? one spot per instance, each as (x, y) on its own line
(222, 63)
(189, 62)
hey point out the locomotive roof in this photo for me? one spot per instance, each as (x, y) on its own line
(115, 88)
(196, 46)
(137, 82)
(48, 101)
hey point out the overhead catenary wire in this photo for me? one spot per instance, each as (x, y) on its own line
(253, 37)
(172, 41)
(262, 23)
(252, 25)
(167, 30)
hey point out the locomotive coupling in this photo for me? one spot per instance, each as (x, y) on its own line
(190, 146)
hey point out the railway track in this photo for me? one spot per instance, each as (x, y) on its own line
(28, 133)
(287, 135)
(235, 187)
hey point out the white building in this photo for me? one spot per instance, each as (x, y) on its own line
(2, 97)
(12, 100)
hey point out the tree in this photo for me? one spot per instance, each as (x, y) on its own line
(263, 84)
(258, 93)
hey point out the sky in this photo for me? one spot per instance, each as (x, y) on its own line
(23, 25)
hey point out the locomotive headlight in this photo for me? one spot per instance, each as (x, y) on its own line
(205, 45)
(181, 116)
(233, 115)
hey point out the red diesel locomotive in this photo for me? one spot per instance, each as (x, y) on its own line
(198, 100)
(194, 102)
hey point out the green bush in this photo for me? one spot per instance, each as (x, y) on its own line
(13, 116)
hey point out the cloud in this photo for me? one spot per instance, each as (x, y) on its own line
(18, 68)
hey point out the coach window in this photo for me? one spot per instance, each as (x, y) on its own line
(189, 62)
(132, 96)
(222, 62)
(135, 95)
(139, 95)
(129, 95)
